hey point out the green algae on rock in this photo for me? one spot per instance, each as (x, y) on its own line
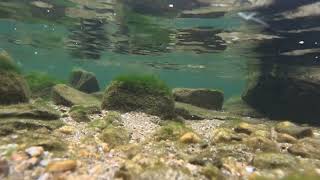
(84, 81)
(294, 130)
(40, 83)
(67, 96)
(171, 131)
(13, 88)
(274, 160)
(112, 118)
(205, 98)
(143, 93)
(307, 147)
(115, 136)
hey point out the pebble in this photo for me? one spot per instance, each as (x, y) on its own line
(61, 166)
(35, 151)
(4, 168)
(189, 138)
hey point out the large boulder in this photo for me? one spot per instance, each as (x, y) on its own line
(84, 81)
(135, 93)
(68, 96)
(13, 88)
(205, 98)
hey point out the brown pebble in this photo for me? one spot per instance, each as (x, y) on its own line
(61, 166)
(4, 168)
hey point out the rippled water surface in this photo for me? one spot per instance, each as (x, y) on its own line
(172, 39)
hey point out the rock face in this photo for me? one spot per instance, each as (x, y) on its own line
(121, 98)
(13, 88)
(84, 81)
(65, 95)
(205, 98)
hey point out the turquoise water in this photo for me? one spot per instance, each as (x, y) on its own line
(43, 38)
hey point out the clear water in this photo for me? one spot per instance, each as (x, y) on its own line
(115, 37)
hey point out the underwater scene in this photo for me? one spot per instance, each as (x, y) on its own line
(159, 89)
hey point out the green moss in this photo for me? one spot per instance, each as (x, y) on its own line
(171, 131)
(39, 81)
(115, 136)
(210, 172)
(145, 83)
(112, 118)
(7, 63)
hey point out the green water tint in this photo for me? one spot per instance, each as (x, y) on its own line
(182, 52)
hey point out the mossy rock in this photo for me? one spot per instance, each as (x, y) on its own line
(171, 131)
(68, 96)
(7, 63)
(262, 144)
(146, 94)
(84, 81)
(307, 147)
(13, 88)
(293, 129)
(81, 113)
(11, 125)
(41, 83)
(112, 118)
(115, 136)
(36, 110)
(274, 160)
(39, 137)
(190, 112)
(204, 98)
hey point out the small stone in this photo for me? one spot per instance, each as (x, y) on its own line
(4, 168)
(190, 138)
(61, 166)
(294, 130)
(286, 138)
(19, 156)
(35, 151)
(307, 147)
(67, 130)
(273, 160)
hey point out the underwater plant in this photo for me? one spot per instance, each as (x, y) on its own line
(39, 81)
(7, 63)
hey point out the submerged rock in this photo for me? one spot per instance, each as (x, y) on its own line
(13, 88)
(294, 130)
(190, 138)
(307, 147)
(273, 160)
(61, 166)
(84, 81)
(67, 96)
(131, 96)
(32, 111)
(115, 136)
(205, 98)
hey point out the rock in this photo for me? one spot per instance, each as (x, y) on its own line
(250, 128)
(35, 151)
(4, 168)
(11, 125)
(307, 147)
(67, 96)
(286, 138)
(293, 130)
(79, 115)
(61, 166)
(224, 135)
(190, 138)
(205, 98)
(127, 96)
(32, 111)
(190, 112)
(66, 129)
(261, 144)
(239, 107)
(274, 160)
(115, 136)
(13, 88)
(84, 81)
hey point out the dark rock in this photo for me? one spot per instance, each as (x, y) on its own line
(119, 97)
(4, 168)
(84, 81)
(67, 96)
(307, 147)
(294, 130)
(205, 98)
(13, 88)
